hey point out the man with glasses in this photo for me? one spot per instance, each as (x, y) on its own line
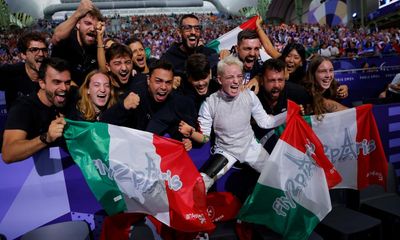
(190, 30)
(75, 40)
(22, 79)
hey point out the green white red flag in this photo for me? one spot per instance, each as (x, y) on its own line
(229, 39)
(135, 171)
(292, 194)
(352, 143)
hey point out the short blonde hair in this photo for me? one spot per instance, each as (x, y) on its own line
(227, 61)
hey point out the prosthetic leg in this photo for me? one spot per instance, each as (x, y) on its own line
(214, 168)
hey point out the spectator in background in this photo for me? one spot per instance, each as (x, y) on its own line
(351, 50)
(75, 40)
(334, 49)
(324, 50)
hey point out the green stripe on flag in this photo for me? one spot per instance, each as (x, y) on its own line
(94, 161)
(214, 44)
(298, 223)
(280, 128)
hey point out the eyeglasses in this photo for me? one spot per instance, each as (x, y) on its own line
(197, 28)
(35, 50)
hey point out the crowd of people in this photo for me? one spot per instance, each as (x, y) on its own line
(158, 33)
(86, 71)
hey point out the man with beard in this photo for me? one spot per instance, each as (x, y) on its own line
(75, 40)
(22, 78)
(177, 54)
(248, 51)
(34, 122)
(273, 95)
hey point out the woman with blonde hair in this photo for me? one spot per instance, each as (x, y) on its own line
(96, 96)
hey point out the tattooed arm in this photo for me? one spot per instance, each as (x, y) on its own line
(333, 106)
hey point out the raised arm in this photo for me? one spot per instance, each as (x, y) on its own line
(265, 41)
(63, 30)
(263, 119)
(101, 53)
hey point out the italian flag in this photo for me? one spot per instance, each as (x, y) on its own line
(352, 143)
(291, 196)
(229, 39)
(135, 171)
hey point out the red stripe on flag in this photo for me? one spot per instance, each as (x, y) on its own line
(372, 165)
(250, 24)
(299, 134)
(188, 209)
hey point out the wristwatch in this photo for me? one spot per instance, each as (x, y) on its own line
(43, 138)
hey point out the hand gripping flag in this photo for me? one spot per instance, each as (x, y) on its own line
(351, 141)
(135, 171)
(229, 39)
(291, 196)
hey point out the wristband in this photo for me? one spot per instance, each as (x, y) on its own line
(43, 138)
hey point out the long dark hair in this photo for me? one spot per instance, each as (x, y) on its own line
(315, 89)
(298, 75)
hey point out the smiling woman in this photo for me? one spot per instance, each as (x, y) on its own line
(322, 87)
(96, 95)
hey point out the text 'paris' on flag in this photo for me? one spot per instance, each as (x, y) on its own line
(292, 193)
(352, 143)
(136, 171)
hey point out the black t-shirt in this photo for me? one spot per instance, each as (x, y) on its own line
(152, 116)
(292, 91)
(255, 71)
(81, 59)
(15, 82)
(178, 58)
(31, 115)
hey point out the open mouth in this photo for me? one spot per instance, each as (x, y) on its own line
(192, 40)
(160, 96)
(290, 68)
(326, 83)
(60, 97)
(249, 62)
(91, 36)
(123, 76)
(101, 99)
(275, 92)
(202, 89)
(140, 61)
